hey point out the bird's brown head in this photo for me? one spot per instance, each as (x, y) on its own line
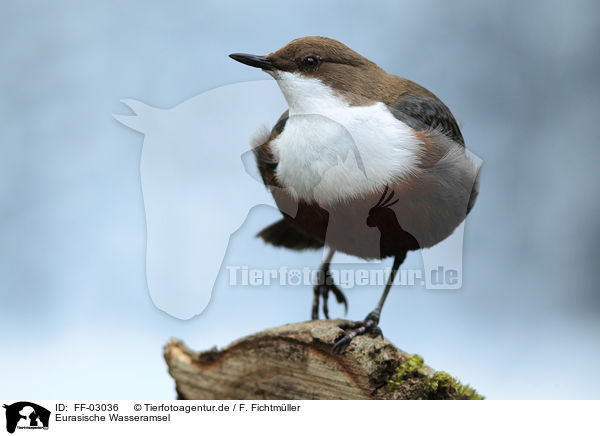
(325, 59)
(317, 56)
(310, 56)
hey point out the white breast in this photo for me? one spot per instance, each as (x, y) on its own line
(331, 151)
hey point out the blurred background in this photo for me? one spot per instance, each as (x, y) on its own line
(75, 312)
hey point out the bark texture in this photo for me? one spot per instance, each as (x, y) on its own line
(293, 361)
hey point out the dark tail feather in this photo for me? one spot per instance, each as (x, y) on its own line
(284, 234)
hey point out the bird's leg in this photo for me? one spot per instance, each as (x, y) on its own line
(370, 325)
(324, 286)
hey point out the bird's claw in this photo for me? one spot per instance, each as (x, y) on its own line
(321, 292)
(370, 326)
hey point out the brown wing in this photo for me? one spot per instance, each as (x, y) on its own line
(265, 161)
(283, 233)
(427, 113)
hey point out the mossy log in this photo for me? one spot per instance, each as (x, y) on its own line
(294, 362)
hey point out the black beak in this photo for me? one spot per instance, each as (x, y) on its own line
(252, 60)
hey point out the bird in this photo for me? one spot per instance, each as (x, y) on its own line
(374, 163)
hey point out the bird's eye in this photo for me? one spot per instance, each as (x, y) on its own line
(311, 62)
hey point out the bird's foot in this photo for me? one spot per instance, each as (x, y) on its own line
(370, 326)
(322, 289)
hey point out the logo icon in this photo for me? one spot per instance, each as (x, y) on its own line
(26, 415)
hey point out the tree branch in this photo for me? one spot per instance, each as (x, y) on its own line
(294, 362)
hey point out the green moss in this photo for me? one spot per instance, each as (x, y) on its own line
(439, 386)
(441, 380)
(413, 366)
(443, 385)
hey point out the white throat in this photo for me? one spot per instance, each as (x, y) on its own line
(330, 151)
(305, 95)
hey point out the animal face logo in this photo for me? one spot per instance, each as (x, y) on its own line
(26, 415)
(195, 188)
